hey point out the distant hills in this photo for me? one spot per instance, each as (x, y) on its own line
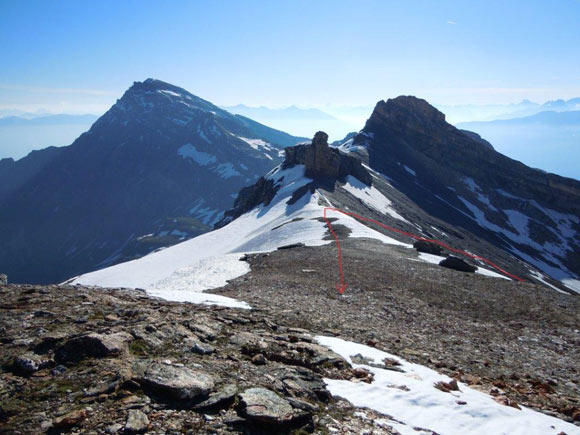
(489, 112)
(549, 140)
(23, 133)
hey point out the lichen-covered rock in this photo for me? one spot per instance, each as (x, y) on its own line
(93, 345)
(264, 405)
(181, 383)
(70, 419)
(29, 363)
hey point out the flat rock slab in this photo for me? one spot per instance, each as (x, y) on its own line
(181, 383)
(137, 422)
(264, 405)
(93, 345)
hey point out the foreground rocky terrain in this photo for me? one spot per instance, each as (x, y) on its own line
(108, 361)
(92, 360)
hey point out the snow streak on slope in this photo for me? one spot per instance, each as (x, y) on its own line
(182, 271)
(372, 197)
(411, 399)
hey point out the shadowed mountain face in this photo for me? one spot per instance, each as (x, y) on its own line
(459, 178)
(159, 167)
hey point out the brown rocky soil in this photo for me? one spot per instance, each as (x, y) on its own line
(503, 337)
(100, 361)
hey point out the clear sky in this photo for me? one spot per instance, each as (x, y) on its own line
(79, 56)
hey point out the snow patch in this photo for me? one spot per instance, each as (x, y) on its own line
(410, 171)
(425, 406)
(188, 151)
(182, 271)
(371, 196)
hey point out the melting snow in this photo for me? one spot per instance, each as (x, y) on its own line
(256, 143)
(226, 170)
(436, 259)
(188, 151)
(426, 407)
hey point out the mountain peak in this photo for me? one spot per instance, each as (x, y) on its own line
(407, 109)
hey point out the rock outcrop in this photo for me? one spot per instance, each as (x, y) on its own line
(456, 263)
(321, 161)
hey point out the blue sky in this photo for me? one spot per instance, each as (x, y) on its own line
(77, 56)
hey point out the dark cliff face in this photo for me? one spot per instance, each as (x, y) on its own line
(458, 177)
(409, 128)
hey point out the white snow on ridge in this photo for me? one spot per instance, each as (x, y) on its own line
(372, 197)
(520, 222)
(461, 412)
(182, 271)
(572, 284)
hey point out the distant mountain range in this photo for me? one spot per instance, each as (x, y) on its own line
(548, 140)
(26, 132)
(159, 167)
(472, 112)
(48, 120)
(291, 112)
(300, 121)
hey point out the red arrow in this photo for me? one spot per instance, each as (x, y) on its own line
(342, 286)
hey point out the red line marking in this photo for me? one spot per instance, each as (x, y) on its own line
(342, 286)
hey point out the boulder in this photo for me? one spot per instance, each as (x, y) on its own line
(3, 279)
(71, 419)
(137, 422)
(92, 345)
(428, 247)
(264, 405)
(29, 363)
(173, 382)
(457, 264)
